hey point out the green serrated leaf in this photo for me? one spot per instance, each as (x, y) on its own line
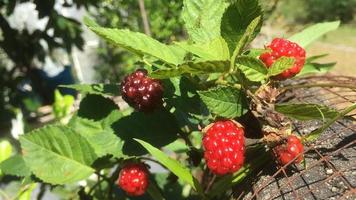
(216, 49)
(202, 19)
(57, 155)
(15, 166)
(283, 63)
(102, 139)
(312, 68)
(315, 134)
(158, 128)
(173, 165)
(302, 111)
(237, 18)
(253, 68)
(197, 68)
(226, 102)
(314, 32)
(139, 43)
(99, 89)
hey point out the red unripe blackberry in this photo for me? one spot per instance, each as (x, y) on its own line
(133, 179)
(224, 146)
(292, 148)
(141, 92)
(281, 47)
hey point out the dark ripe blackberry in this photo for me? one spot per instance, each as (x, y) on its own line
(141, 92)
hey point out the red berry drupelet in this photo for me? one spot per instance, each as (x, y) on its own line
(293, 148)
(281, 47)
(133, 179)
(141, 92)
(224, 146)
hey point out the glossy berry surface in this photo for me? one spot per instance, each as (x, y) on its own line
(141, 92)
(224, 146)
(281, 47)
(293, 148)
(134, 179)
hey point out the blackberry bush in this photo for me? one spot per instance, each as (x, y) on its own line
(213, 80)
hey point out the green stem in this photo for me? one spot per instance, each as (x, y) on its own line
(146, 62)
(318, 85)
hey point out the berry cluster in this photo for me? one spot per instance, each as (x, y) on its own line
(224, 146)
(292, 149)
(282, 47)
(141, 92)
(133, 179)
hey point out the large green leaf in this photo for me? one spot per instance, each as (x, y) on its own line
(173, 165)
(158, 128)
(216, 49)
(311, 68)
(57, 155)
(15, 166)
(139, 43)
(236, 19)
(283, 63)
(226, 102)
(99, 89)
(302, 111)
(101, 138)
(197, 68)
(312, 33)
(202, 19)
(253, 68)
(96, 107)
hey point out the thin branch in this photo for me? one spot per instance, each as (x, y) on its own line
(146, 24)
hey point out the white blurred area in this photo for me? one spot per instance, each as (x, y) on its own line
(25, 17)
